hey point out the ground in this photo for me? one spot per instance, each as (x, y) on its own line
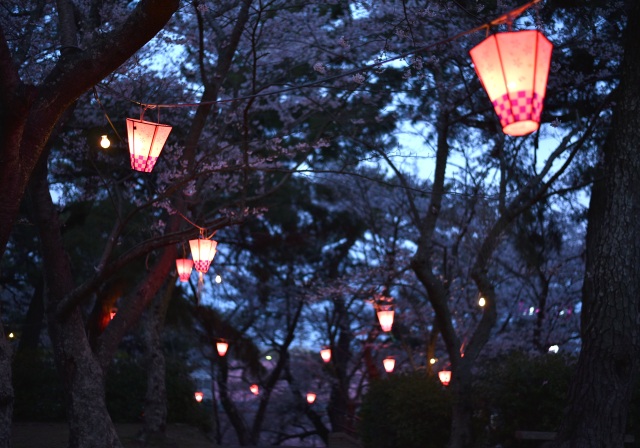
(32, 435)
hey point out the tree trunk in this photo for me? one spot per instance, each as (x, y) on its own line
(462, 408)
(6, 391)
(90, 425)
(155, 400)
(596, 415)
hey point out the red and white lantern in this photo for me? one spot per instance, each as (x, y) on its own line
(325, 354)
(184, 267)
(222, 347)
(385, 317)
(146, 140)
(199, 396)
(311, 397)
(513, 68)
(202, 251)
(445, 377)
(255, 389)
(389, 363)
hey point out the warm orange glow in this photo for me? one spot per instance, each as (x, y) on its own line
(199, 396)
(389, 364)
(184, 267)
(146, 140)
(202, 251)
(311, 397)
(255, 389)
(385, 316)
(325, 353)
(445, 377)
(105, 142)
(222, 347)
(513, 68)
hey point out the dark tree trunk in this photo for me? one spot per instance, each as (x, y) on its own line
(155, 401)
(461, 407)
(90, 425)
(596, 415)
(6, 391)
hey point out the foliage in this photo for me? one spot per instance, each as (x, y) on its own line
(520, 392)
(409, 411)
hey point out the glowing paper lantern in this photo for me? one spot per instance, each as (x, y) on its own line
(513, 68)
(385, 316)
(445, 377)
(222, 347)
(325, 354)
(311, 397)
(389, 364)
(198, 396)
(146, 140)
(184, 267)
(202, 252)
(255, 389)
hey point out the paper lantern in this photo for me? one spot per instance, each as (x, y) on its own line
(311, 397)
(255, 389)
(325, 354)
(445, 377)
(198, 396)
(184, 267)
(202, 252)
(385, 317)
(389, 363)
(513, 68)
(146, 140)
(222, 347)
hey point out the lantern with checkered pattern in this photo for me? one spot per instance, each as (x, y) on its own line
(184, 267)
(146, 140)
(513, 68)
(202, 250)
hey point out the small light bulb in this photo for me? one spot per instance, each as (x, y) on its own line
(11, 335)
(482, 302)
(218, 279)
(432, 361)
(105, 142)
(269, 357)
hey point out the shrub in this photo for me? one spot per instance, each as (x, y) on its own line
(405, 411)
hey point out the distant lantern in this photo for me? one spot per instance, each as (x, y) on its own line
(198, 396)
(311, 397)
(146, 140)
(325, 354)
(513, 68)
(482, 302)
(385, 316)
(105, 142)
(445, 377)
(184, 267)
(113, 312)
(222, 346)
(255, 389)
(202, 250)
(389, 364)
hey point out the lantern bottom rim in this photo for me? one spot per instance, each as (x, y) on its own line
(521, 128)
